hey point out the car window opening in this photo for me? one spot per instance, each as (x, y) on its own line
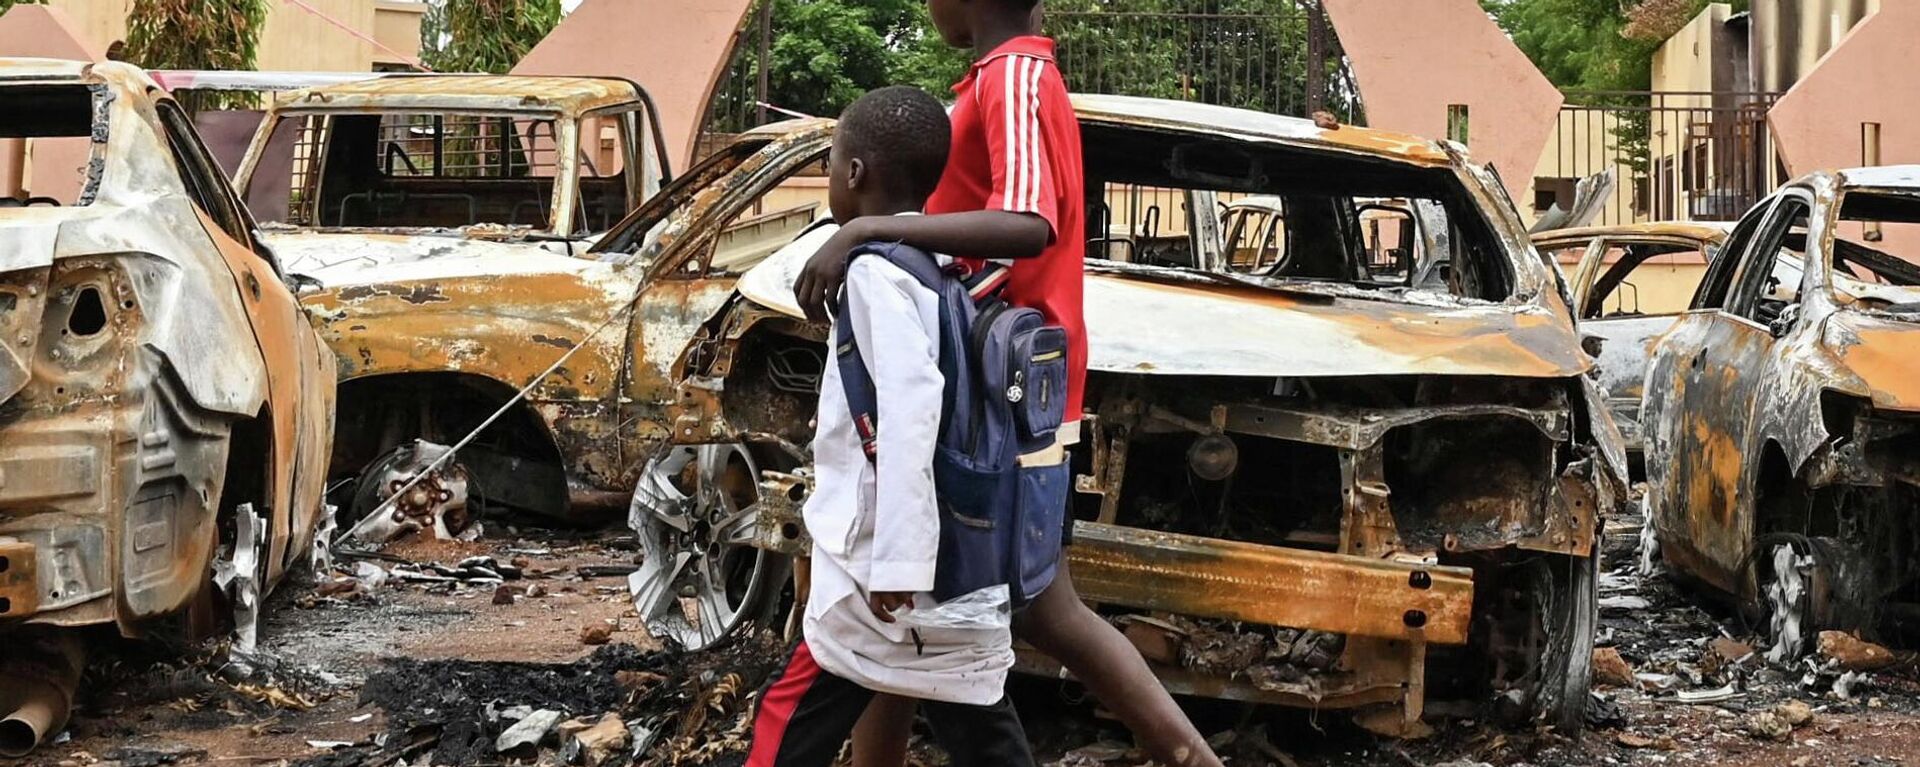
(54, 125)
(1286, 213)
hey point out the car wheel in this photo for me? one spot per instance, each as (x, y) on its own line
(437, 503)
(1565, 600)
(701, 579)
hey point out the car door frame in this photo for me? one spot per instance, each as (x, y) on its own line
(299, 401)
(1704, 387)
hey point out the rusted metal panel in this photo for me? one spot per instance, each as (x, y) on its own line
(1153, 570)
(1358, 428)
(19, 582)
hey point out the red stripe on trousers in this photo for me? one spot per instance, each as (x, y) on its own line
(777, 706)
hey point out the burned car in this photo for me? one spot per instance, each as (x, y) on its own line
(1782, 414)
(1628, 282)
(167, 404)
(441, 223)
(1368, 475)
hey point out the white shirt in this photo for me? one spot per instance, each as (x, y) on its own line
(875, 525)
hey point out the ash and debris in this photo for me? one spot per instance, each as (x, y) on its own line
(524, 650)
(672, 708)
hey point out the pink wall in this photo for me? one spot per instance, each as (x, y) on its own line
(1869, 77)
(58, 165)
(1412, 59)
(676, 49)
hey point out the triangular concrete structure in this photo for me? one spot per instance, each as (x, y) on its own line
(676, 49)
(44, 32)
(1868, 77)
(1413, 59)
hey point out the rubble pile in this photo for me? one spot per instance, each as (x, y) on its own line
(619, 706)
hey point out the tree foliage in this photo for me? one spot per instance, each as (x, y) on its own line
(825, 53)
(1595, 44)
(5, 4)
(196, 34)
(484, 35)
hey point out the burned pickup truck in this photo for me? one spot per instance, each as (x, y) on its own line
(1783, 413)
(166, 404)
(456, 209)
(1369, 474)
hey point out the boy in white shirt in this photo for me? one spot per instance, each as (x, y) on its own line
(870, 624)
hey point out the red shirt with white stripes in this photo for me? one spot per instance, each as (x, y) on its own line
(1016, 147)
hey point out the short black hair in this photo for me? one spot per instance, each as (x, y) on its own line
(900, 132)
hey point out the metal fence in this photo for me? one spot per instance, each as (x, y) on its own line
(1675, 155)
(1278, 56)
(1282, 58)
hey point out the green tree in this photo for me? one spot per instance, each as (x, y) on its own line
(1595, 44)
(196, 34)
(484, 35)
(5, 4)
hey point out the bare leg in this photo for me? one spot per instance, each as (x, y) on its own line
(881, 737)
(1060, 625)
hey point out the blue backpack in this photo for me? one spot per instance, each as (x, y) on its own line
(1006, 376)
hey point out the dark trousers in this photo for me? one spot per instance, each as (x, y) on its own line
(807, 713)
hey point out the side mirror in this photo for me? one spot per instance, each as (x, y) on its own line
(1780, 325)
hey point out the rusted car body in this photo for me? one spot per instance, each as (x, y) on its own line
(443, 220)
(167, 405)
(1783, 413)
(1606, 268)
(1332, 485)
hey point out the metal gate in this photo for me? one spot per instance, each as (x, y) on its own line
(1676, 156)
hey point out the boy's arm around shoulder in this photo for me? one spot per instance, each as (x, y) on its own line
(974, 234)
(902, 354)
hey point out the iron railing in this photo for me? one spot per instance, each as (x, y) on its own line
(1675, 155)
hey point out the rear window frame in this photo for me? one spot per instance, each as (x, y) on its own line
(99, 130)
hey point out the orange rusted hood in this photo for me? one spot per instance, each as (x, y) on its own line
(1878, 352)
(1141, 324)
(1175, 322)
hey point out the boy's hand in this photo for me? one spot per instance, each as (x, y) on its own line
(819, 281)
(885, 603)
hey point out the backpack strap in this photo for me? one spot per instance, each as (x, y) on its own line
(862, 398)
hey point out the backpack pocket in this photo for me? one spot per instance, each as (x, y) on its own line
(1038, 389)
(1042, 520)
(977, 524)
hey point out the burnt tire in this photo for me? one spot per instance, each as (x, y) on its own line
(1566, 602)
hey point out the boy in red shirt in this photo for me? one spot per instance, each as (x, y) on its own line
(1014, 189)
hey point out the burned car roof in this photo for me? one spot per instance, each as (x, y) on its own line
(505, 93)
(1881, 177)
(1248, 124)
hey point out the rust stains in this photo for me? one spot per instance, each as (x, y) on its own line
(413, 294)
(1213, 578)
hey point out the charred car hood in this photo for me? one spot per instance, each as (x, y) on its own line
(1166, 322)
(354, 258)
(1876, 353)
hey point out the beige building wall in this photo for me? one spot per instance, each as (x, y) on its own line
(294, 38)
